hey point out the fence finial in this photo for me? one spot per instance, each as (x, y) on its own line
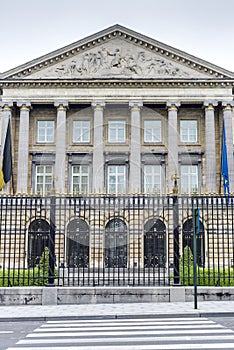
(174, 178)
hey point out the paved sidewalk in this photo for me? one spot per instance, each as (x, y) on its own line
(185, 309)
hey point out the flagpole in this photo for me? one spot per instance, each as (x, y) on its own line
(12, 183)
(224, 165)
(12, 156)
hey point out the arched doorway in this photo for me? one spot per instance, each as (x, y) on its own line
(115, 244)
(188, 240)
(78, 243)
(154, 243)
(38, 239)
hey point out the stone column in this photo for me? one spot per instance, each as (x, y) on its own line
(60, 156)
(135, 148)
(172, 167)
(210, 147)
(227, 117)
(23, 148)
(6, 116)
(98, 156)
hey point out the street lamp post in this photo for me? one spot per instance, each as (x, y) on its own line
(51, 277)
(176, 231)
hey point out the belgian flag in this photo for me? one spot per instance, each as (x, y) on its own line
(6, 169)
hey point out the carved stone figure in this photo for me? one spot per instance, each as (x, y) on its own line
(111, 60)
(116, 62)
(85, 63)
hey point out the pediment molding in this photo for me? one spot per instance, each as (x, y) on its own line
(119, 53)
(136, 83)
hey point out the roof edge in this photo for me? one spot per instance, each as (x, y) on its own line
(130, 35)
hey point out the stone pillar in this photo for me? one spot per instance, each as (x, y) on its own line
(135, 153)
(172, 167)
(227, 117)
(23, 148)
(60, 156)
(98, 156)
(6, 115)
(210, 148)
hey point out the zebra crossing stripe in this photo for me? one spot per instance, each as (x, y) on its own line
(120, 333)
(136, 320)
(147, 323)
(126, 340)
(136, 327)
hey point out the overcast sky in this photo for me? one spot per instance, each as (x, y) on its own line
(32, 28)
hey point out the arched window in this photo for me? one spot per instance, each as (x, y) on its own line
(188, 240)
(154, 243)
(38, 239)
(78, 243)
(115, 244)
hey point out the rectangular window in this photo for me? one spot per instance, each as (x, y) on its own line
(152, 179)
(80, 179)
(45, 131)
(116, 131)
(189, 179)
(81, 131)
(188, 131)
(152, 131)
(116, 179)
(44, 175)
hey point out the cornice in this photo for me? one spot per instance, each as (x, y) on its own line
(115, 83)
(128, 35)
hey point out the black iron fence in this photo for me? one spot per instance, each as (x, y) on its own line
(104, 240)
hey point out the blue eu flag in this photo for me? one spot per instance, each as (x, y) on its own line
(226, 189)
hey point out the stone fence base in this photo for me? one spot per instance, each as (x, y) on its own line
(99, 295)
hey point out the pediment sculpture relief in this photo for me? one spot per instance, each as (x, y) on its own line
(117, 61)
(107, 63)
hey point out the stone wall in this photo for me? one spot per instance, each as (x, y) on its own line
(100, 295)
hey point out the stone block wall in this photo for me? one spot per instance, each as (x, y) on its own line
(110, 295)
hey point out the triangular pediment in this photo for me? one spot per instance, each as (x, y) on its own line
(117, 52)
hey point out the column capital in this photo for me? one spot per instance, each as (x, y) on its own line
(227, 105)
(98, 105)
(173, 105)
(135, 105)
(209, 105)
(61, 105)
(6, 106)
(24, 106)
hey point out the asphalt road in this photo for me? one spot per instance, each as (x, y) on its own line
(11, 332)
(225, 321)
(121, 334)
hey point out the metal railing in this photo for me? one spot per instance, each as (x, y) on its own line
(104, 240)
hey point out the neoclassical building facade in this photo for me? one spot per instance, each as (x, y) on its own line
(118, 112)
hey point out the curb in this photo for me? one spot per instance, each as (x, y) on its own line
(118, 316)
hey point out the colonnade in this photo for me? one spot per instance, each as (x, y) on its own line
(135, 143)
